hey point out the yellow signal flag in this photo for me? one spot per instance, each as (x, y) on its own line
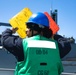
(19, 21)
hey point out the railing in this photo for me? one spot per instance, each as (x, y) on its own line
(6, 71)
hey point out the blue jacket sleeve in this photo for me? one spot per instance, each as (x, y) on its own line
(64, 45)
(12, 43)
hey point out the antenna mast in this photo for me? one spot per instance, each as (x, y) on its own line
(54, 14)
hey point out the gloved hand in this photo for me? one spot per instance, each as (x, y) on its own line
(14, 30)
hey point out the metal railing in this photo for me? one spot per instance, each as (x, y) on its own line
(6, 71)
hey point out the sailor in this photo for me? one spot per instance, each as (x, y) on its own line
(38, 54)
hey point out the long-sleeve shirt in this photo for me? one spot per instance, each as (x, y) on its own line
(14, 44)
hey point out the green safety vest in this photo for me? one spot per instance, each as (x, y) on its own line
(41, 57)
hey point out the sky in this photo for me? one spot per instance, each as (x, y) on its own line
(66, 12)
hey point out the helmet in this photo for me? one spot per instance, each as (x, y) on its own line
(38, 19)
